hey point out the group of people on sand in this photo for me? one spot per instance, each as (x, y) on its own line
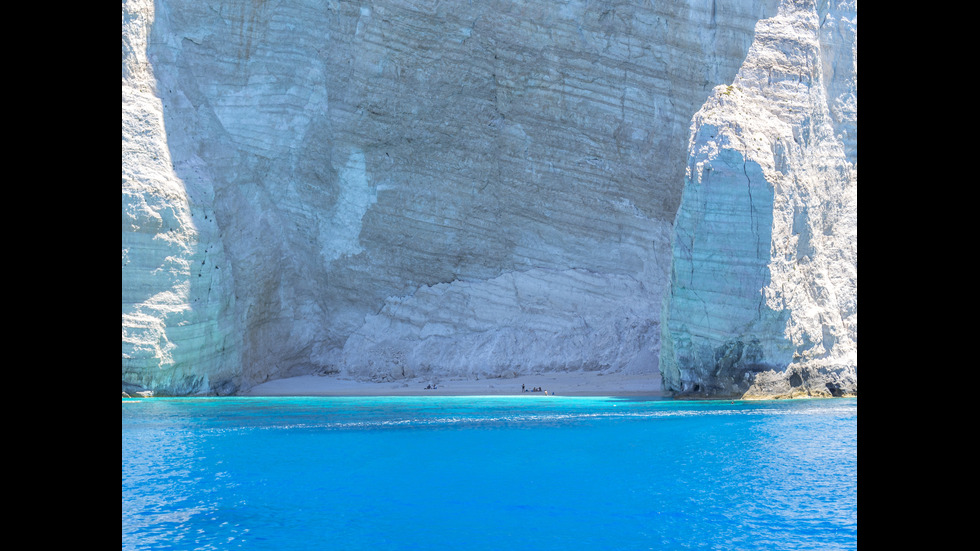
(432, 386)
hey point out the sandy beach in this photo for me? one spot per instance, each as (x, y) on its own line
(560, 384)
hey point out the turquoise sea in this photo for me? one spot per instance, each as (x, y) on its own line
(488, 473)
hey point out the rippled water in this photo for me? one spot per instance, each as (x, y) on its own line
(488, 473)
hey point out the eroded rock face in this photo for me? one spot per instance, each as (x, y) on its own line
(391, 189)
(179, 333)
(763, 298)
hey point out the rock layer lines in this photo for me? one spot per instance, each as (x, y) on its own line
(397, 188)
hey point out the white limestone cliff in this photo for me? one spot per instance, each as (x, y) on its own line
(178, 326)
(478, 189)
(763, 297)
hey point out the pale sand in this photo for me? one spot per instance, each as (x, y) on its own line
(559, 384)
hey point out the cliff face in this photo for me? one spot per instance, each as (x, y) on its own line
(763, 298)
(394, 189)
(179, 326)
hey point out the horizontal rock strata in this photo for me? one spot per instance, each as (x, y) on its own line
(396, 188)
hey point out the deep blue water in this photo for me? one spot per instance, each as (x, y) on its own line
(493, 473)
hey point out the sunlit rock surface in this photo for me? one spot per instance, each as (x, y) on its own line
(179, 331)
(763, 298)
(396, 189)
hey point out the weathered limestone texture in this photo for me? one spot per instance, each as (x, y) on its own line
(763, 298)
(178, 325)
(401, 188)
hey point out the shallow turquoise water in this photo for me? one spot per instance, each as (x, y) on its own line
(494, 473)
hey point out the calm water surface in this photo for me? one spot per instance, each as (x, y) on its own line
(493, 473)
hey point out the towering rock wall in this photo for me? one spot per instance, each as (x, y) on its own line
(763, 296)
(179, 332)
(407, 188)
